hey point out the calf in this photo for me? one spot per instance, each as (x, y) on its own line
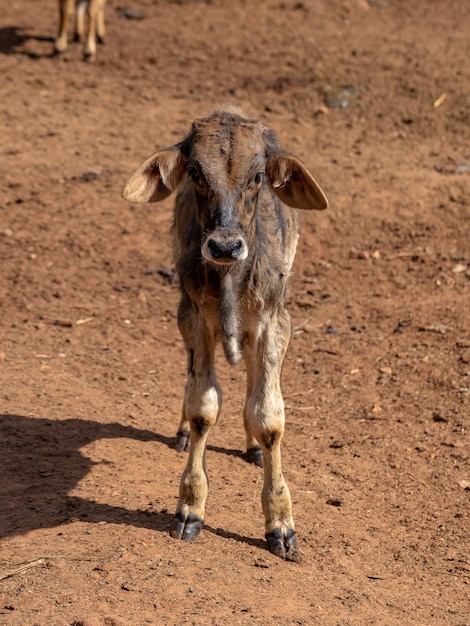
(96, 26)
(235, 233)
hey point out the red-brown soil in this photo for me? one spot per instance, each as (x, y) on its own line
(377, 378)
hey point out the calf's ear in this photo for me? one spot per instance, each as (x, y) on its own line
(293, 184)
(157, 177)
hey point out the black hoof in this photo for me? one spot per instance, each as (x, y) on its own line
(182, 440)
(255, 456)
(284, 546)
(186, 528)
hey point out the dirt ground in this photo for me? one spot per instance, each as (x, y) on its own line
(375, 98)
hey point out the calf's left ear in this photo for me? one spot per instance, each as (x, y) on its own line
(293, 184)
(157, 177)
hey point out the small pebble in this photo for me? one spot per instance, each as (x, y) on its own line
(462, 168)
(131, 14)
(465, 358)
(334, 502)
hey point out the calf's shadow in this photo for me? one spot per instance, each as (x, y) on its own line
(41, 463)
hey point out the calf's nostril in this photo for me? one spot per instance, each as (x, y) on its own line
(215, 248)
(234, 247)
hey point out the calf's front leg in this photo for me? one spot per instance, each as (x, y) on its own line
(201, 409)
(264, 415)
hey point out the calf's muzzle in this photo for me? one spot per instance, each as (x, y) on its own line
(224, 248)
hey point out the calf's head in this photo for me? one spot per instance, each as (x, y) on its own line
(232, 163)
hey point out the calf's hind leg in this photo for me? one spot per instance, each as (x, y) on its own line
(254, 452)
(201, 409)
(264, 354)
(182, 434)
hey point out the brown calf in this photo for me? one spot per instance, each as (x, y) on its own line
(234, 244)
(96, 27)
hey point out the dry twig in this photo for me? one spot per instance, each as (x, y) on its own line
(21, 569)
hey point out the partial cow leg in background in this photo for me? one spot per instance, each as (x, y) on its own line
(100, 23)
(65, 11)
(264, 353)
(81, 9)
(90, 33)
(90, 44)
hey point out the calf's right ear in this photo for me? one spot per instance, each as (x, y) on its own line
(157, 178)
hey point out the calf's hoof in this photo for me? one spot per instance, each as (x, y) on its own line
(185, 527)
(182, 440)
(284, 545)
(255, 456)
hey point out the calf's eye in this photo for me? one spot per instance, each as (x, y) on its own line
(258, 178)
(194, 174)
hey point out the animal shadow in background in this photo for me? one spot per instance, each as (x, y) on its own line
(12, 40)
(234, 239)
